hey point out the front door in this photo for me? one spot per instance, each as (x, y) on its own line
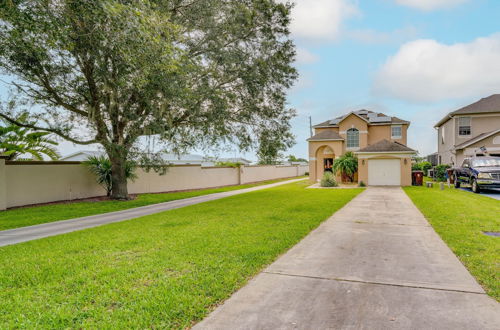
(327, 164)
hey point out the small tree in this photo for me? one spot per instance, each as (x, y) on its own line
(101, 167)
(346, 164)
(16, 141)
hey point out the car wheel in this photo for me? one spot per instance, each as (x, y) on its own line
(457, 183)
(475, 186)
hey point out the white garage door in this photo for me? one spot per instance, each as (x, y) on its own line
(384, 172)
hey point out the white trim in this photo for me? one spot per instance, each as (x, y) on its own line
(360, 132)
(375, 155)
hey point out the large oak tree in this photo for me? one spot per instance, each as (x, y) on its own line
(195, 73)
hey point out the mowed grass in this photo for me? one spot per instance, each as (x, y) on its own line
(460, 218)
(35, 215)
(167, 270)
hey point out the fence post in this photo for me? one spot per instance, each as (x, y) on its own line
(3, 185)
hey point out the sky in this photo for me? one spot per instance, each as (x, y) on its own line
(414, 59)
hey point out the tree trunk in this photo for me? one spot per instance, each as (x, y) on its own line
(119, 188)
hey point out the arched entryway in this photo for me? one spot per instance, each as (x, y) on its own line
(324, 160)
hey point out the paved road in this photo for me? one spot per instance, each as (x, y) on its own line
(375, 264)
(493, 193)
(18, 235)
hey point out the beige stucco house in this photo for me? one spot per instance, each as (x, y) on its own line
(462, 133)
(378, 140)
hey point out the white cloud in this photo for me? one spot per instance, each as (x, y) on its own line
(426, 70)
(320, 20)
(430, 4)
(304, 56)
(368, 36)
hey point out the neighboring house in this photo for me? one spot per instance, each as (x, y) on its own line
(466, 131)
(378, 140)
(184, 159)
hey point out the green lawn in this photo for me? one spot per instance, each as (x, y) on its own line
(166, 270)
(460, 217)
(29, 216)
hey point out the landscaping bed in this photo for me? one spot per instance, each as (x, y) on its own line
(461, 218)
(34, 215)
(167, 270)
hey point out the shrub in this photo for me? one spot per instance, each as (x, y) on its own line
(100, 166)
(361, 184)
(328, 180)
(425, 166)
(306, 174)
(440, 172)
(416, 167)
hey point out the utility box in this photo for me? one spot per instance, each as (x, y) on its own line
(417, 178)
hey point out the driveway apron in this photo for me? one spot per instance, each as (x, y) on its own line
(375, 264)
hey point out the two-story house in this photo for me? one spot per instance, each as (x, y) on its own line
(378, 140)
(469, 131)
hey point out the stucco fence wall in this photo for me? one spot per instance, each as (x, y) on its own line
(22, 183)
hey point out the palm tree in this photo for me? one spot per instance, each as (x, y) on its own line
(346, 164)
(16, 141)
(100, 166)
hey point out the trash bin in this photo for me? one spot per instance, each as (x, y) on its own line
(417, 178)
(451, 177)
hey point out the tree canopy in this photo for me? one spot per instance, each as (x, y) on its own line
(194, 73)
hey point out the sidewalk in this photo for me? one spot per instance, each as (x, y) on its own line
(23, 234)
(375, 264)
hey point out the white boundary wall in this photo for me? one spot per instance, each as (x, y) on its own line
(25, 183)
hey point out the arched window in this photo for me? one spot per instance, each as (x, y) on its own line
(352, 138)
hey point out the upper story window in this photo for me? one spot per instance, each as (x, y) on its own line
(464, 126)
(442, 134)
(352, 138)
(396, 132)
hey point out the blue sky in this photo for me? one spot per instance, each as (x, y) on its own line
(415, 59)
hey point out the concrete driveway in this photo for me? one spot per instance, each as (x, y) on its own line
(375, 264)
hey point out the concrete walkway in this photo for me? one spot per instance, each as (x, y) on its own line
(375, 264)
(23, 234)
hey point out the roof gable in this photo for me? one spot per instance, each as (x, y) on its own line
(490, 104)
(478, 138)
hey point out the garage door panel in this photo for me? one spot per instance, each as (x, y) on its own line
(384, 172)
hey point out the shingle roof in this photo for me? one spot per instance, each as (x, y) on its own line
(485, 105)
(386, 146)
(326, 135)
(369, 116)
(475, 139)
